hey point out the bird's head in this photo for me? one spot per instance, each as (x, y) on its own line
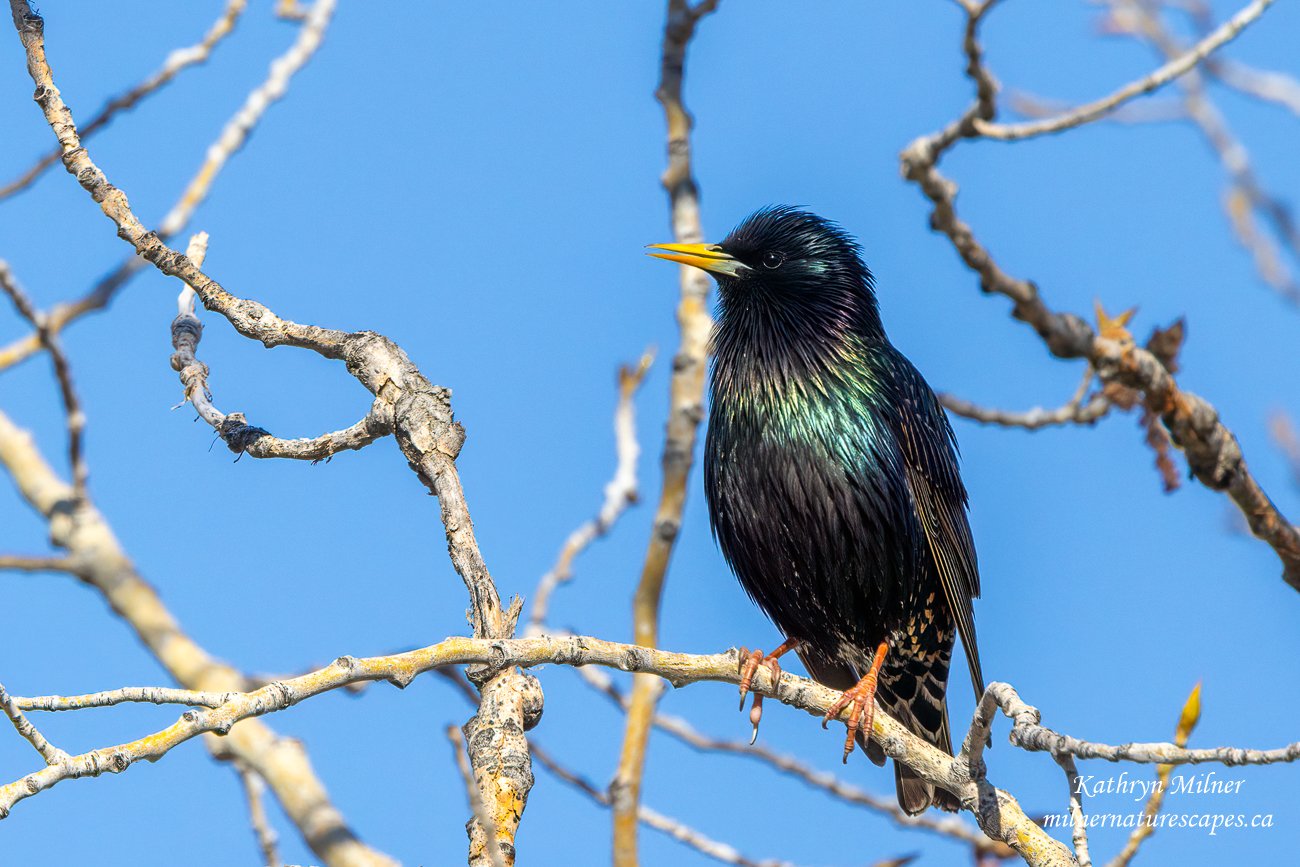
(787, 262)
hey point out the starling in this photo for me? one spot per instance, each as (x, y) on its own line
(832, 481)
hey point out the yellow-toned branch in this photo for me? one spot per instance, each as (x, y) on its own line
(998, 812)
(99, 560)
(489, 846)
(1187, 721)
(686, 409)
(425, 430)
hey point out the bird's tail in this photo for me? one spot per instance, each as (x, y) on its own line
(914, 694)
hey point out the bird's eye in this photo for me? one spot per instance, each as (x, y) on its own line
(772, 259)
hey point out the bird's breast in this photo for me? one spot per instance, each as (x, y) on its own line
(804, 502)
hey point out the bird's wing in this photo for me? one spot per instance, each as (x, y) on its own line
(929, 451)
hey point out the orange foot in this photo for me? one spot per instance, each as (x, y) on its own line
(753, 659)
(861, 701)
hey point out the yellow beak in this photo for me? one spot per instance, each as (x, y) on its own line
(706, 256)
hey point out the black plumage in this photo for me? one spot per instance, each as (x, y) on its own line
(831, 473)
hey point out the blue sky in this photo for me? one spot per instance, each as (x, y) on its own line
(477, 181)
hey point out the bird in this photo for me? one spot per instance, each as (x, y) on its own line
(833, 484)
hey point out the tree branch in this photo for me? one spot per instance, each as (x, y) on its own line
(231, 139)
(422, 422)
(997, 812)
(686, 410)
(1229, 31)
(52, 754)
(177, 61)
(679, 831)
(1074, 411)
(1212, 451)
(240, 436)
(103, 565)
(75, 418)
(620, 492)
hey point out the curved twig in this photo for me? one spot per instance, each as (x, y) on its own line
(1227, 32)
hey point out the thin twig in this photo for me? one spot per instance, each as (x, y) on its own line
(176, 62)
(230, 140)
(1028, 734)
(1275, 87)
(1074, 411)
(620, 493)
(74, 417)
(20, 563)
(254, 790)
(679, 831)
(1229, 31)
(1078, 821)
(233, 428)
(52, 754)
(125, 695)
(1187, 720)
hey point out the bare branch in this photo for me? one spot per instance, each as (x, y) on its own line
(75, 418)
(998, 813)
(1027, 734)
(254, 789)
(1275, 87)
(125, 695)
(1212, 451)
(1146, 827)
(239, 436)
(102, 563)
(686, 410)
(620, 492)
(52, 754)
(679, 831)
(1078, 821)
(1074, 411)
(476, 805)
(1229, 31)
(19, 563)
(1134, 113)
(176, 62)
(231, 139)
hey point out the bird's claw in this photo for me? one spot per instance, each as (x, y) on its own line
(752, 660)
(861, 701)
